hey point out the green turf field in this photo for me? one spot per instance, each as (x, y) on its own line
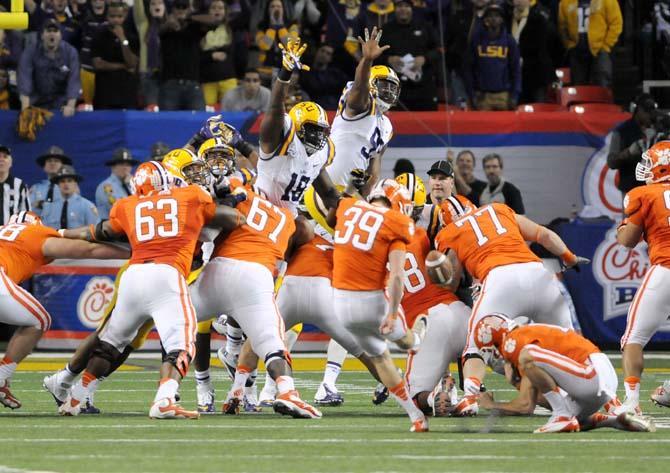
(355, 437)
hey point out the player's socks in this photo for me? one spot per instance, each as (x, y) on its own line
(241, 376)
(167, 389)
(285, 384)
(66, 376)
(252, 379)
(202, 377)
(80, 391)
(632, 386)
(472, 386)
(234, 339)
(401, 395)
(336, 355)
(557, 402)
(7, 368)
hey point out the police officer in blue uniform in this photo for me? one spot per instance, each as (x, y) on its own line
(45, 190)
(72, 211)
(117, 185)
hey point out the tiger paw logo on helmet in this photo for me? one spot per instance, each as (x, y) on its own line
(484, 334)
(94, 300)
(510, 345)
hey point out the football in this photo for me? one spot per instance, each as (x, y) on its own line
(439, 268)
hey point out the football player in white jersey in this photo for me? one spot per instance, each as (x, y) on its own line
(294, 147)
(361, 131)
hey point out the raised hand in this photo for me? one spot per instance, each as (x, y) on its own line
(370, 48)
(291, 54)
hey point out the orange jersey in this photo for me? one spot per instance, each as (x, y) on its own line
(649, 207)
(313, 259)
(420, 293)
(263, 238)
(485, 239)
(21, 249)
(164, 227)
(364, 237)
(563, 341)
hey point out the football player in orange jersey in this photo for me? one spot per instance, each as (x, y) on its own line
(647, 211)
(431, 309)
(162, 223)
(368, 236)
(490, 243)
(25, 245)
(574, 377)
(247, 259)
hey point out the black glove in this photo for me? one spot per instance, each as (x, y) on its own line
(359, 178)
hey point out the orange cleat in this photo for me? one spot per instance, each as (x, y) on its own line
(420, 425)
(7, 399)
(467, 407)
(559, 424)
(167, 409)
(290, 404)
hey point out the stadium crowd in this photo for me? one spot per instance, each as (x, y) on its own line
(189, 55)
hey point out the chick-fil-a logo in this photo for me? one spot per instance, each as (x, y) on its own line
(619, 271)
(599, 184)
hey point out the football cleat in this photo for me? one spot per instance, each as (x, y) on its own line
(231, 405)
(635, 423)
(559, 424)
(71, 407)
(466, 407)
(661, 395)
(89, 408)
(449, 387)
(380, 395)
(629, 405)
(229, 361)
(250, 400)
(327, 396)
(420, 425)
(268, 394)
(7, 399)
(166, 408)
(59, 391)
(290, 404)
(206, 396)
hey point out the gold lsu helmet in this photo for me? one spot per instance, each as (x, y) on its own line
(218, 155)
(311, 125)
(186, 167)
(385, 87)
(417, 190)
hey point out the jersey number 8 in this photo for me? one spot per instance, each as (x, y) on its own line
(156, 218)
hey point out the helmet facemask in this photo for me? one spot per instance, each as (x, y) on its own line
(220, 162)
(416, 212)
(197, 172)
(313, 137)
(649, 172)
(386, 93)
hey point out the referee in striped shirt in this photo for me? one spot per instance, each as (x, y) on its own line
(13, 191)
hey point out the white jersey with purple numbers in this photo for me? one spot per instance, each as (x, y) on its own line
(285, 174)
(357, 139)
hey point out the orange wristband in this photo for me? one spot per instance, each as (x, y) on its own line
(568, 257)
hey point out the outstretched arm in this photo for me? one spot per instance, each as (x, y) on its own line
(80, 249)
(531, 231)
(272, 125)
(326, 189)
(358, 98)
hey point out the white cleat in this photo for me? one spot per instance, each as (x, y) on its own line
(466, 407)
(71, 407)
(290, 404)
(168, 409)
(268, 394)
(420, 425)
(629, 405)
(59, 391)
(635, 423)
(559, 424)
(250, 402)
(206, 398)
(661, 395)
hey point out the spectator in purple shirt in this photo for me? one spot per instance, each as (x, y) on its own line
(60, 12)
(92, 15)
(48, 74)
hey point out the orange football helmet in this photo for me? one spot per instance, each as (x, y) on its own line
(655, 164)
(151, 177)
(453, 207)
(491, 329)
(25, 217)
(397, 195)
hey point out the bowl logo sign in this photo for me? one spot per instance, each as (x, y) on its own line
(94, 300)
(599, 184)
(620, 272)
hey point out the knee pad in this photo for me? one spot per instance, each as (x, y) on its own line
(106, 351)
(180, 359)
(278, 355)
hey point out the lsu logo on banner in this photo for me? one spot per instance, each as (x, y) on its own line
(94, 300)
(599, 184)
(619, 271)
